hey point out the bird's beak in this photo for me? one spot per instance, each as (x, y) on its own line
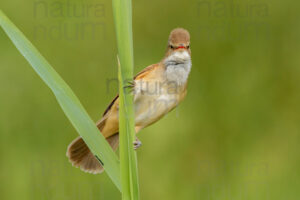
(181, 47)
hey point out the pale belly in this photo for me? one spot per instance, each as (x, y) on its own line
(150, 108)
(155, 97)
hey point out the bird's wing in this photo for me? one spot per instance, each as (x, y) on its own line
(145, 71)
(140, 75)
(112, 107)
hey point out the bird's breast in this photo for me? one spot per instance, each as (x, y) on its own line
(154, 99)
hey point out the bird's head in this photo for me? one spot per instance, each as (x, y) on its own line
(178, 51)
(179, 41)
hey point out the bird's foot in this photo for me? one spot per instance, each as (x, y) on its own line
(129, 84)
(137, 144)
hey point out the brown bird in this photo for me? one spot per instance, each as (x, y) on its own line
(157, 90)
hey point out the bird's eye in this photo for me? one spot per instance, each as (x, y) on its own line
(171, 46)
(188, 46)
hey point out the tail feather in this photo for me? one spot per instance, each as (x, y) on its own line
(80, 155)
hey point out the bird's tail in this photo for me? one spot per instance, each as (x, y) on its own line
(80, 155)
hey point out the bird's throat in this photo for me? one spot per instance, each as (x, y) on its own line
(178, 66)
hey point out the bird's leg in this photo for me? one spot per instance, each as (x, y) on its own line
(137, 143)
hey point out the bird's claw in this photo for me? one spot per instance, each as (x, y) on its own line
(137, 143)
(129, 84)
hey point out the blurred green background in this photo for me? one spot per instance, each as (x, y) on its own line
(236, 135)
